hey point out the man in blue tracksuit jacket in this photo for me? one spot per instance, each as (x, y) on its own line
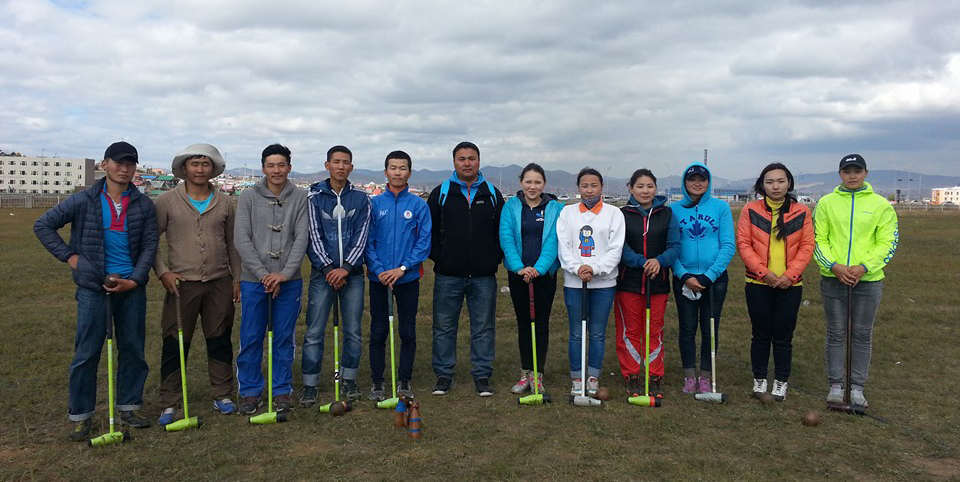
(707, 244)
(113, 230)
(399, 244)
(339, 226)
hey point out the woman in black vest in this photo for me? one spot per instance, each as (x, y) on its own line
(652, 244)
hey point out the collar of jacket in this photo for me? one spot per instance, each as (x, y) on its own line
(480, 180)
(324, 187)
(264, 190)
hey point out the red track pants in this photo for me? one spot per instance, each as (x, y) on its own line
(631, 319)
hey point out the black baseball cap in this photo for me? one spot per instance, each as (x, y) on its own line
(853, 160)
(121, 151)
(695, 169)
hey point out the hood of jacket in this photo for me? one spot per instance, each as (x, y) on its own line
(480, 180)
(866, 189)
(658, 201)
(323, 187)
(264, 190)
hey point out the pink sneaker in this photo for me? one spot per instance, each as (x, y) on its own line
(689, 385)
(703, 385)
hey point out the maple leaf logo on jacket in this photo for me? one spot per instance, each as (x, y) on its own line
(697, 230)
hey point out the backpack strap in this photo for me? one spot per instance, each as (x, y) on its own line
(444, 189)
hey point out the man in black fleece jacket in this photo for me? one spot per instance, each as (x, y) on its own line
(465, 211)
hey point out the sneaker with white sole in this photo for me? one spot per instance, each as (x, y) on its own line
(836, 393)
(689, 385)
(779, 391)
(483, 387)
(759, 387)
(166, 416)
(592, 385)
(856, 397)
(577, 387)
(225, 406)
(523, 385)
(376, 392)
(309, 396)
(443, 386)
(404, 390)
(538, 381)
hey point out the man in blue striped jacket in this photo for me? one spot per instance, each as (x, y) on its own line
(339, 226)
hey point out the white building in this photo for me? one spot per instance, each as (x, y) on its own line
(942, 195)
(44, 175)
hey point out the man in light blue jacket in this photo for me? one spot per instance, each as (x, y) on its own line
(398, 245)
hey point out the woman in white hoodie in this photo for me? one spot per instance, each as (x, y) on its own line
(590, 235)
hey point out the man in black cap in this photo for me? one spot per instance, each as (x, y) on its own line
(113, 230)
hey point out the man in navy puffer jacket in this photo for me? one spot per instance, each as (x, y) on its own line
(113, 230)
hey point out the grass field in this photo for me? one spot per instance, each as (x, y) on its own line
(915, 435)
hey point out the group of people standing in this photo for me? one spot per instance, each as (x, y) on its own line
(218, 253)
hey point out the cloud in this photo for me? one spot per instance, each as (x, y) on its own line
(615, 85)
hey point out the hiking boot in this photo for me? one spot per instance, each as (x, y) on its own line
(759, 387)
(523, 385)
(483, 387)
(376, 392)
(779, 391)
(836, 393)
(134, 419)
(225, 406)
(577, 387)
(166, 416)
(655, 386)
(249, 405)
(592, 385)
(403, 389)
(634, 386)
(856, 396)
(81, 431)
(283, 403)
(539, 382)
(703, 385)
(350, 390)
(689, 385)
(442, 386)
(309, 396)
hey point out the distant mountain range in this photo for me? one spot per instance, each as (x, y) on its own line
(563, 182)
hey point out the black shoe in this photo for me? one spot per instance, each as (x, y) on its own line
(309, 396)
(249, 405)
(634, 385)
(81, 431)
(376, 392)
(655, 389)
(404, 390)
(134, 419)
(483, 387)
(350, 390)
(443, 386)
(283, 403)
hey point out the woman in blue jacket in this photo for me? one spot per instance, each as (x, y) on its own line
(707, 244)
(528, 237)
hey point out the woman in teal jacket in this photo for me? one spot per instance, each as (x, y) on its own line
(528, 238)
(707, 244)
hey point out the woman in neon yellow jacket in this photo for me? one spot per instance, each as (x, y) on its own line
(856, 233)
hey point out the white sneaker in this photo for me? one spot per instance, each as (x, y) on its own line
(836, 393)
(856, 397)
(539, 382)
(759, 386)
(779, 391)
(577, 386)
(523, 385)
(592, 385)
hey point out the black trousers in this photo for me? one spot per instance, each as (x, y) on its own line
(773, 314)
(407, 296)
(544, 289)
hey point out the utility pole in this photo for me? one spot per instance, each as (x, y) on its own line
(704, 157)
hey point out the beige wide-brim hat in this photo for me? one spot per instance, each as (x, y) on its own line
(198, 150)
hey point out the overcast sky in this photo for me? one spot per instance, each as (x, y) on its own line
(616, 85)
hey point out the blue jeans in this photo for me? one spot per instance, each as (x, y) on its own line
(321, 296)
(253, 328)
(448, 293)
(129, 312)
(694, 313)
(865, 302)
(599, 304)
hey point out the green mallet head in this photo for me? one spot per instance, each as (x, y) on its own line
(390, 403)
(184, 424)
(539, 399)
(268, 418)
(109, 438)
(644, 401)
(325, 408)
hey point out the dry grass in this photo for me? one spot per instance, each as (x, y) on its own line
(468, 438)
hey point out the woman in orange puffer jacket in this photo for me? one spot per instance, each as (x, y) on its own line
(775, 240)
